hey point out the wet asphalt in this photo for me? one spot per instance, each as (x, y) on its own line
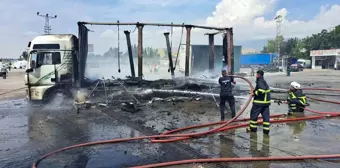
(28, 132)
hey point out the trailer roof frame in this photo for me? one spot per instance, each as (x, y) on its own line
(153, 24)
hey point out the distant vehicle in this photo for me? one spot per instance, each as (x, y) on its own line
(337, 63)
(3, 70)
(271, 68)
(19, 65)
(304, 63)
(296, 67)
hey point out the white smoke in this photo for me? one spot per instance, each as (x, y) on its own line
(102, 67)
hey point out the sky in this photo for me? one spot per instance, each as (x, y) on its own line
(252, 20)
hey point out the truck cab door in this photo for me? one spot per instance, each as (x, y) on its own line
(43, 68)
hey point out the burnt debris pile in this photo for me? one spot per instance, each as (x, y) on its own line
(130, 94)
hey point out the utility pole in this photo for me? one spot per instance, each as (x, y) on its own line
(47, 27)
(278, 19)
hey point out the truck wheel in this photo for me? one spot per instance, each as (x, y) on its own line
(56, 97)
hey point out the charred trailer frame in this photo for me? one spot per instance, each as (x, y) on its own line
(82, 53)
(83, 45)
(128, 41)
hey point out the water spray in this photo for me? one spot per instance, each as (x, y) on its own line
(185, 92)
(214, 97)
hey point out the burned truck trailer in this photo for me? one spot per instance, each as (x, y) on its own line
(57, 62)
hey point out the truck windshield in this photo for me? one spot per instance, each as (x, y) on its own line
(42, 58)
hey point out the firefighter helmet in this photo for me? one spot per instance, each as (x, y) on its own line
(295, 85)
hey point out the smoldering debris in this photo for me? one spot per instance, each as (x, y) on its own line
(130, 107)
(173, 99)
(131, 94)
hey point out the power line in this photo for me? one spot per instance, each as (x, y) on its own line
(47, 27)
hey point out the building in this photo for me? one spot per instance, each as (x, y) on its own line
(199, 58)
(248, 51)
(325, 59)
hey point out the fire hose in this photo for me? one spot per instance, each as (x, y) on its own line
(224, 126)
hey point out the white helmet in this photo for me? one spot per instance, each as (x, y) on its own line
(295, 85)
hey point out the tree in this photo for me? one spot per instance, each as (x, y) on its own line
(112, 53)
(271, 46)
(289, 46)
(24, 55)
(300, 48)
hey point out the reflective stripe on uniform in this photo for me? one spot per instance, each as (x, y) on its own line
(302, 99)
(261, 102)
(293, 95)
(265, 92)
(266, 123)
(253, 124)
(292, 106)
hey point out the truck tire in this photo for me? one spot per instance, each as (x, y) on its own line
(56, 97)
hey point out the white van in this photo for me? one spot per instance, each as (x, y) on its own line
(19, 65)
(304, 63)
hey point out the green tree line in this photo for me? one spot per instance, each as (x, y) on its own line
(300, 48)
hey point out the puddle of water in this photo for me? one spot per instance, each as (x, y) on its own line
(13, 104)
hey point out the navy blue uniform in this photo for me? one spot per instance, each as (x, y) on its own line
(261, 105)
(226, 94)
(296, 101)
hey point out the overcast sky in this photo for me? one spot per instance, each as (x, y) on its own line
(252, 20)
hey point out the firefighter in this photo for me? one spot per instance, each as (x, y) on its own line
(227, 83)
(261, 104)
(296, 99)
